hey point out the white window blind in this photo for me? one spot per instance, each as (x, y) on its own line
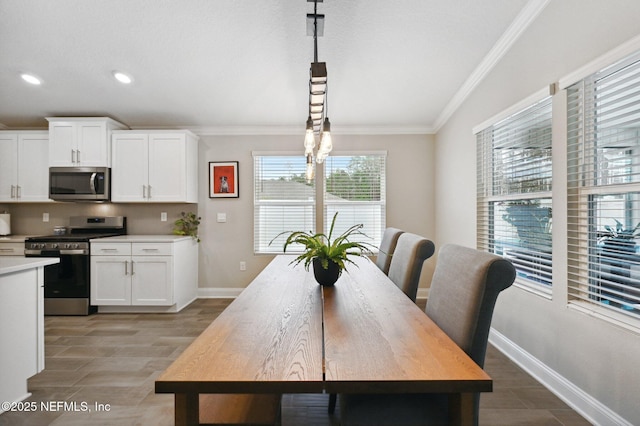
(514, 179)
(603, 113)
(283, 200)
(355, 186)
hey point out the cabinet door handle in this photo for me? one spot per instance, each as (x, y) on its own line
(19, 191)
(78, 156)
(144, 191)
(132, 268)
(73, 156)
(149, 191)
(13, 191)
(126, 267)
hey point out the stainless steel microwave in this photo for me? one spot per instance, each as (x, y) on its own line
(79, 183)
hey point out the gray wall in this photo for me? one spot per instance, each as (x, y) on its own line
(410, 189)
(601, 359)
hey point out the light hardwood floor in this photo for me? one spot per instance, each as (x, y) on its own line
(113, 359)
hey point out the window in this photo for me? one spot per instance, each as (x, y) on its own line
(283, 200)
(354, 186)
(514, 192)
(603, 140)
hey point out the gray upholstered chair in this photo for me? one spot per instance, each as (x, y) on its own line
(406, 263)
(465, 286)
(387, 247)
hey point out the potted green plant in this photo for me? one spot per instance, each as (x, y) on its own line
(531, 220)
(187, 224)
(619, 238)
(328, 256)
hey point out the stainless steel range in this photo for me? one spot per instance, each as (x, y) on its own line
(67, 284)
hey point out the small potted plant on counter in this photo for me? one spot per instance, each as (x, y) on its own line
(328, 256)
(187, 224)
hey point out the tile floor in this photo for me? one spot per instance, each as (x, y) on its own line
(113, 359)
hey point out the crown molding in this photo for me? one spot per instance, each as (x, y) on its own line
(295, 130)
(526, 16)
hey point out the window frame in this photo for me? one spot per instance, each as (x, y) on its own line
(591, 177)
(319, 203)
(495, 194)
(258, 242)
(375, 235)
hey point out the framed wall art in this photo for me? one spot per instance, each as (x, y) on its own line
(223, 179)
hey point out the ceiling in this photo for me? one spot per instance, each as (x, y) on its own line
(242, 66)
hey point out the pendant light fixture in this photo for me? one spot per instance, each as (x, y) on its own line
(318, 125)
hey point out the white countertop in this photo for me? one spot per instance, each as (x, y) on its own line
(10, 264)
(141, 239)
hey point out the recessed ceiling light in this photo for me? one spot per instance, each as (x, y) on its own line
(31, 79)
(122, 77)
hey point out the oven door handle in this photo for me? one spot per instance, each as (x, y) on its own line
(74, 252)
(49, 253)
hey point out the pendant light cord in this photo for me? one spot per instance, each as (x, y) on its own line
(315, 31)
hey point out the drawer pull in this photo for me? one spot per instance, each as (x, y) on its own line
(7, 250)
(108, 249)
(149, 249)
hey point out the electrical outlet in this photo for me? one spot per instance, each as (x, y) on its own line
(221, 217)
(163, 216)
(45, 217)
(243, 266)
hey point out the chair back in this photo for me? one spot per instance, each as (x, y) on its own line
(387, 247)
(464, 289)
(406, 263)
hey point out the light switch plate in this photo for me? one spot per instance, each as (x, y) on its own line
(222, 217)
(163, 216)
(45, 217)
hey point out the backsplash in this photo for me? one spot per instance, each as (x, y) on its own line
(142, 219)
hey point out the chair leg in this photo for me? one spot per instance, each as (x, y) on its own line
(332, 402)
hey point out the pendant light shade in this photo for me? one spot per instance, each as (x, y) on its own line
(326, 142)
(309, 174)
(309, 138)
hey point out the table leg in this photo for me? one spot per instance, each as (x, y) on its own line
(187, 409)
(462, 409)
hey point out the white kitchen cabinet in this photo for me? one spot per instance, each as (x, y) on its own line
(154, 166)
(24, 169)
(81, 141)
(9, 248)
(143, 271)
(21, 324)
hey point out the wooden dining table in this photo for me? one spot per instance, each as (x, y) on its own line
(286, 334)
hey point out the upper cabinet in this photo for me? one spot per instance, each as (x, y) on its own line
(157, 166)
(24, 172)
(81, 141)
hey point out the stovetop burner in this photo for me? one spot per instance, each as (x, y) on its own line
(71, 237)
(82, 229)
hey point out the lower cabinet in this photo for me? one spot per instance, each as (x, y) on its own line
(21, 331)
(143, 274)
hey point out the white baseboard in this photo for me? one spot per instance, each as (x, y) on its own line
(219, 293)
(588, 407)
